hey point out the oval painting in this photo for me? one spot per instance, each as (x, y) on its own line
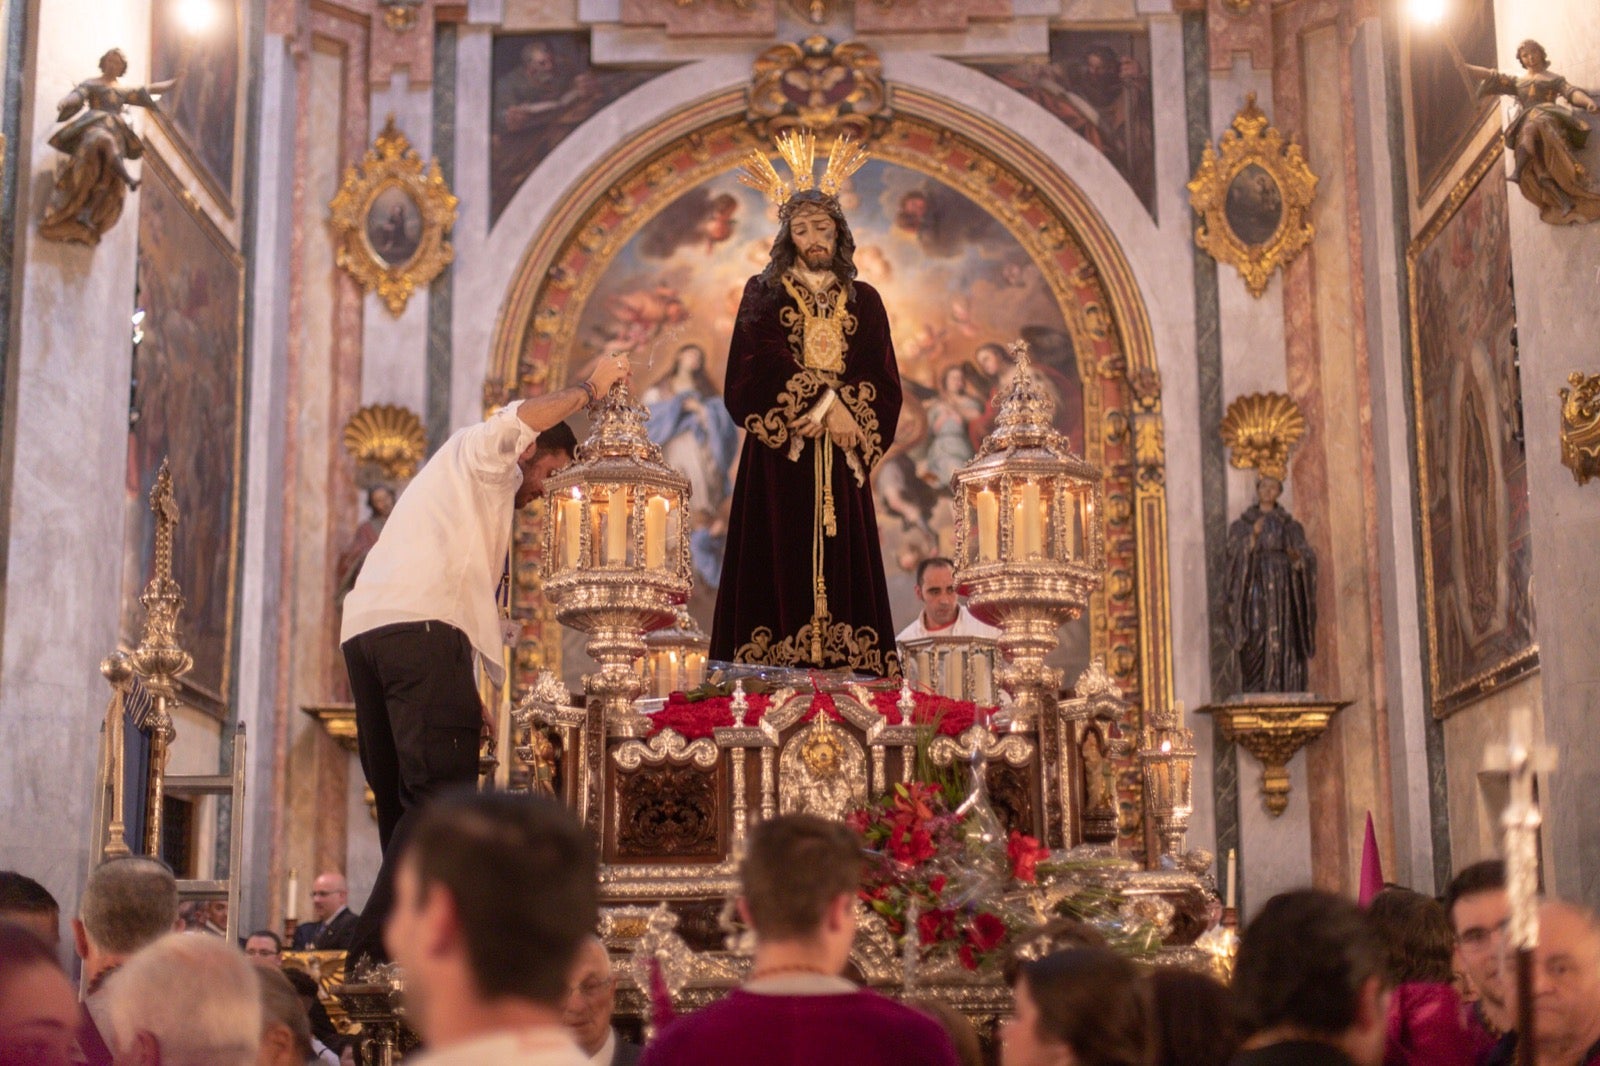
(394, 226)
(958, 287)
(1254, 206)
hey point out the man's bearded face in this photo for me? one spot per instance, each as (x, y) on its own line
(815, 237)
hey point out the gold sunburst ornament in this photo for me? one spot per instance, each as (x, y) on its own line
(1261, 429)
(388, 438)
(799, 151)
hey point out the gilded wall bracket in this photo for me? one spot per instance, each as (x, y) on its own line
(1274, 727)
(1253, 193)
(391, 220)
(1580, 426)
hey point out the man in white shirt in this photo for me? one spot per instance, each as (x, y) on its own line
(423, 609)
(494, 894)
(591, 999)
(942, 614)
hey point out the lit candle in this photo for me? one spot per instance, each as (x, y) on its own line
(954, 670)
(697, 669)
(291, 909)
(655, 532)
(1233, 879)
(571, 527)
(988, 508)
(672, 671)
(617, 528)
(1032, 521)
(1019, 540)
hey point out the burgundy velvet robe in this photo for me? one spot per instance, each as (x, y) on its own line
(765, 602)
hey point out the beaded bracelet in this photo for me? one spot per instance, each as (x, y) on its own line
(588, 389)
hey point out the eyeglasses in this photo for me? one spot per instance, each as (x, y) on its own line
(592, 988)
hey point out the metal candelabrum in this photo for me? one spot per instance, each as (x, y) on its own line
(616, 551)
(1029, 549)
(1166, 756)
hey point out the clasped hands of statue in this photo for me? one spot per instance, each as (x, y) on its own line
(829, 416)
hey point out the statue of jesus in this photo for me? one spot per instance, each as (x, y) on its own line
(813, 380)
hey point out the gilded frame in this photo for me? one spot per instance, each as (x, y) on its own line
(1051, 218)
(1232, 228)
(392, 176)
(192, 692)
(1443, 701)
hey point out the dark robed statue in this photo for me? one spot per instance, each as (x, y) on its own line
(1272, 594)
(812, 379)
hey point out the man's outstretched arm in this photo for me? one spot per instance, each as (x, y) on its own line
(542, 412)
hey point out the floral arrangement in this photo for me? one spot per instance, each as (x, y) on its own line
(951, 884)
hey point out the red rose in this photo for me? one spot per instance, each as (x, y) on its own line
(986, 931)
(1024, 853)
(936, 925)
(969, 958)
(937, 883)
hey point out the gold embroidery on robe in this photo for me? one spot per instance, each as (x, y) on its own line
(818, 326)
(843, 645)
(772, 428)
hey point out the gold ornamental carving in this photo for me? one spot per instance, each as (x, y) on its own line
(1274, 728)
(1253, 191)
(1260, 430)
(822, 771)
(1580, 426)
(392, 218)
(387, 437)
(338, 719)
(819, 86)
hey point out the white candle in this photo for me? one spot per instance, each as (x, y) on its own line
(1019, 540)
(697, 669)
(571, 514)
(655, 532)
(1032, 530)
(672, 671)
(982, 678)
(291, 909)
(617, 528)
(954, 674)
(1233, 879)
(988, 508)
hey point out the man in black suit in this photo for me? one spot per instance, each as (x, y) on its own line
(335, 922)
(591, 997)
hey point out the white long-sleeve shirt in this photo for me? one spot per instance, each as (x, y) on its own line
(964, 626)
(443, 548)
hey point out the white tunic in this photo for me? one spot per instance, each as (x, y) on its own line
(964, 626)
(443, 549)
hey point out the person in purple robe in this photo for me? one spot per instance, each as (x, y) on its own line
(812, 379)
(797, 1006)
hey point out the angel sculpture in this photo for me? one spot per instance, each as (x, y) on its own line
(89, 188)
(1544, 136)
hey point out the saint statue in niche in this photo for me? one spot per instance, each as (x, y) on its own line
(90, 187)
(1544, 136)
(1272, 594)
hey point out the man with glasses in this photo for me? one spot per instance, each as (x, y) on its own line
(590, 1000)
(1479, 908)
(336, 922)
(265, 949)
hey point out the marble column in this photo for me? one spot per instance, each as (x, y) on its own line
(67, 439)
(1555, 268)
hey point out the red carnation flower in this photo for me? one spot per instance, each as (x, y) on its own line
(986, 931)
(1024, 853)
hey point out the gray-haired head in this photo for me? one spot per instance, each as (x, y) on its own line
(196, 999)
(128, 903)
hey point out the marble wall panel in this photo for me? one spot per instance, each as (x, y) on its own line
(68, 367)
(1555, 270)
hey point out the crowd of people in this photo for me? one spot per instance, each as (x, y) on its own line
(494, 928)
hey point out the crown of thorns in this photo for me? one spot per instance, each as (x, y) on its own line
(799, 152)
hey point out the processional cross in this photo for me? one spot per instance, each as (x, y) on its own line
(1521, 759)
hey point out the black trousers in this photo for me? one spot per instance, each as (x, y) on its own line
(419, 719)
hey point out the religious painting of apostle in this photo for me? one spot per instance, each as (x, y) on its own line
(201, 111)
(813, 380)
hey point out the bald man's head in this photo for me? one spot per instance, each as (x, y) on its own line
(329, 893)
(591, 996)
